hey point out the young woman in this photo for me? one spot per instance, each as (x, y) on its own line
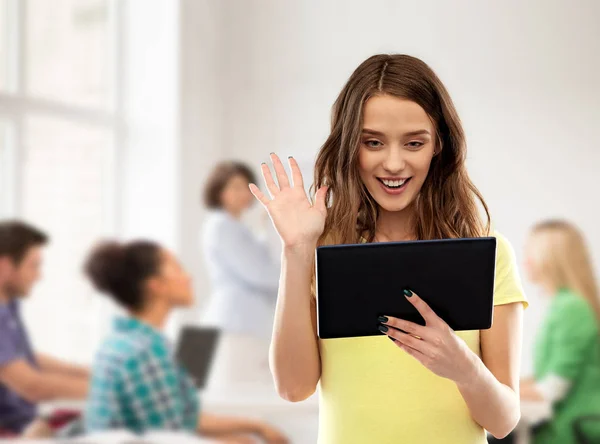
(244, 280)
(392, 169)
(567, 352)
(136, 383)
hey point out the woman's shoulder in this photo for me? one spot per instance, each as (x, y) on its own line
(120, 349)
(505, 253)
(571, 301)
(507, 283)
(216, 223)
(573, 312)
(216, 218)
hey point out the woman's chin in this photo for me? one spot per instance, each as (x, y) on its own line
(185, 302)
(393, 205)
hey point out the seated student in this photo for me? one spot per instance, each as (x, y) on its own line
(26, 377)
(567, 347)
(136, 383)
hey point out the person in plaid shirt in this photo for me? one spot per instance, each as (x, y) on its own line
(136, 382)
(137, 385)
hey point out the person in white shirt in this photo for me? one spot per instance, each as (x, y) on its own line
(244, 279)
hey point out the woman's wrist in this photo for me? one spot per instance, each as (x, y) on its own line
(300, 250)
(256, 428)
(470, 372)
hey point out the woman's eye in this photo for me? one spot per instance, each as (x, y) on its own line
(373, 143)
(415, 144)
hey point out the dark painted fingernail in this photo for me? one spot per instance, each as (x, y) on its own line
(382, 319)
(263, 163)
(407, 292)
(382, 328)
(271, 153)
(290, 157)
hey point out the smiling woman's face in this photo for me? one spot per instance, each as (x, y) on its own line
(396, 148)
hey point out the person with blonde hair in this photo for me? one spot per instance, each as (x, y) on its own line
(392, 169)
(567, 348)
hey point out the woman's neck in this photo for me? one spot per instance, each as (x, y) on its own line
(549, 288)
(394, 226)
(236, 214)
(154, 315)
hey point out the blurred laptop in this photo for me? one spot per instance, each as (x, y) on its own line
(195, 352)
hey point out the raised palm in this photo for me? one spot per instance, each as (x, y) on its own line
(297, 221)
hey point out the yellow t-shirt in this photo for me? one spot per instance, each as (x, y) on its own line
(373, 392)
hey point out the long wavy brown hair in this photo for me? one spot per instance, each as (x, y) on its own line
(446, 206)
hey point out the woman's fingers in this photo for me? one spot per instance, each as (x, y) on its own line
(297, 179)
(320, 200)
(269, 182)
(408, 327)
(409, 341)
(430, 317)
(282, 177)
(418, 355)
(260, 196)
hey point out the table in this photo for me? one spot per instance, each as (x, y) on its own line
(532, 413)
(299, 420)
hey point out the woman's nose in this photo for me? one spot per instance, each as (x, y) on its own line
(394, 161)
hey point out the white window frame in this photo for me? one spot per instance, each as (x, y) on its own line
(15, 105)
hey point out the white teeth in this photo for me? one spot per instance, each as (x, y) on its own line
(393, 183)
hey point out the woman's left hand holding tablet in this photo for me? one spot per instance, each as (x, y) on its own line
(435, 345)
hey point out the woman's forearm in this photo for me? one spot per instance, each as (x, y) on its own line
(294, 355)
(216, 425)
(493, 405)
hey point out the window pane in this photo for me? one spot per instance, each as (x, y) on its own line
(68, 51)
(66, 192)
(3, 45)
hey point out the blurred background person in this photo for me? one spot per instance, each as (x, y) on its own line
(26, 377)
(136, 383)
(244, 279)
(567, 348)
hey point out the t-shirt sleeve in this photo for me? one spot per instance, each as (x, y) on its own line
(574, 332)
(507, 285)
(9, 350)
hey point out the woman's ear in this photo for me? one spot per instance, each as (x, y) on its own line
(152, 285)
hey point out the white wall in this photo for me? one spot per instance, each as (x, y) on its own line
(201, 129)
(149, 159)
(523, 76)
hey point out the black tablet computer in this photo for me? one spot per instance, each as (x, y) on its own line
(358, 283)
(195, 352)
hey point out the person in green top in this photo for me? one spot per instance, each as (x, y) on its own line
(567, 348)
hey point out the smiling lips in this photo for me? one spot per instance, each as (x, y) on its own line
(394, 185)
